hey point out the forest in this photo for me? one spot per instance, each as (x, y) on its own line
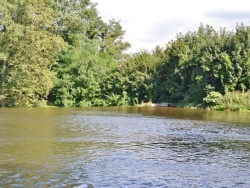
(61, 53)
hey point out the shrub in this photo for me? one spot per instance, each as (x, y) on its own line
(234, 101)
(213, 98)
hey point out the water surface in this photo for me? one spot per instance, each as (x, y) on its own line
(124, 147)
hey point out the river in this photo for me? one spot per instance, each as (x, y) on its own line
(124, 147)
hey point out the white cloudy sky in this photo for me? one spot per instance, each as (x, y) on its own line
(155, 22)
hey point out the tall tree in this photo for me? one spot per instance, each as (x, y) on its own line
(95, 49)
(29, 38)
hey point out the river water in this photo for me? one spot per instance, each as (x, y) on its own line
(124, 147)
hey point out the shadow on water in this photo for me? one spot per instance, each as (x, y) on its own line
(124, 147)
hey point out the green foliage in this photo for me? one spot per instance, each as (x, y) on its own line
(112, 40)
(230, 101)
(28, 38)
(198, 63)
(213, 98)
(95, 51)
(64, 53)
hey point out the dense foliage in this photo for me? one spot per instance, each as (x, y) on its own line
(198, 63)
(61, 53)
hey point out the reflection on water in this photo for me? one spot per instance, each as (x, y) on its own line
(124, 147)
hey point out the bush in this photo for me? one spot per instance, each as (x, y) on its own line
(213, 98)
(234, 101)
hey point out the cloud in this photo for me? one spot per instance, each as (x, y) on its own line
(229, 15)
(167, 28)
(162, 32)
(151, 23)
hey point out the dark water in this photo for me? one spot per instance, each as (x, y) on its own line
(124, 147)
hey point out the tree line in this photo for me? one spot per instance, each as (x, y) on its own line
(61, 53)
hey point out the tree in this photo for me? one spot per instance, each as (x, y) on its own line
(29, 37)
(112, 40)
(95, 50)
(240, 57)
(198, 63)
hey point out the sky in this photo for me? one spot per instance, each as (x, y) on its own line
(149, 23)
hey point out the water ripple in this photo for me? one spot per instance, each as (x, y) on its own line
(87, 149)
